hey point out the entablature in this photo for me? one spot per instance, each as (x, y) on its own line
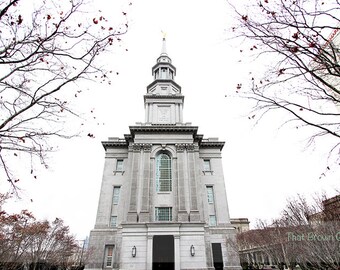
(163, 129)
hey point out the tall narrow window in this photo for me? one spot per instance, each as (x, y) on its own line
(163, 172)
(109, 256)
(113, 221)
(119, 165)
(210, 194)
(163, 73)
(206, 165)
(212, 220)
(163, 214)
(116, 192)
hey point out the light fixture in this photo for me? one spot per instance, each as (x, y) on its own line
(192, 250)
(134, 251)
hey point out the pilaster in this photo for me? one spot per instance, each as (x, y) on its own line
(144, 213)
(175, 189)
(193, 178)
(132, 214)
(149, 252)
(177, 252)
(182, 213)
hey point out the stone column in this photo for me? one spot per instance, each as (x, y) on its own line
(151, 113)
(180, 113)
(177, 113)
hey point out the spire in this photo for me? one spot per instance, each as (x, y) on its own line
(164, 45)
(164, 57)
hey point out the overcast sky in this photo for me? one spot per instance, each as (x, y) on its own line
(263, 165)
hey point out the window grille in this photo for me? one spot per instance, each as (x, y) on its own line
(113, 221)
(163, 214)
(210, 194)
(109, 256)
(212, 220)
(206, 165)
(116, 192)
(119, 165)
(163, 173)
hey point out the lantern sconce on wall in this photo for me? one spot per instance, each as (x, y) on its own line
(192, 250)
(134, 251)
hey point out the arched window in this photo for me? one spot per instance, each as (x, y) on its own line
(163, 172)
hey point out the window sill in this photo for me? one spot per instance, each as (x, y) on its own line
(163, 221)
(119, 172)
(208, 172)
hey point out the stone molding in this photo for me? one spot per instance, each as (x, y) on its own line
(190, 147)
(159, 128)
(147, 147)
(114, 144)
(118, 172)
(180, 147)
(138, 147)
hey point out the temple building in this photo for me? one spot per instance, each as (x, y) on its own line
(163, 202)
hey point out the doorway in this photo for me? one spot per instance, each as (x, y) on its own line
(163, 254)
(217, 255)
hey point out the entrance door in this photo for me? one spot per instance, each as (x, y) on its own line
(217, 255)
(163, 256)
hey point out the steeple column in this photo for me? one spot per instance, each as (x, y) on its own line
(180, 114)
(147, 111)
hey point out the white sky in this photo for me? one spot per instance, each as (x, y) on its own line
(263, 165)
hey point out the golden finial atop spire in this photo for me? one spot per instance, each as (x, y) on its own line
(164, 34)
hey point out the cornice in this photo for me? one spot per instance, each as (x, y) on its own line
(114, 144)
(151, 96)
(161, 64)
(216, 144)
(163, 81)
(166, 128)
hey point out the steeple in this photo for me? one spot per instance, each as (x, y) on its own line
(163, 101)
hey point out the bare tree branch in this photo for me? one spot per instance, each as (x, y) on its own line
(300, 42)
(41, 58)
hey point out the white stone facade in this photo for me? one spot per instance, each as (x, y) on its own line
(163, 201)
